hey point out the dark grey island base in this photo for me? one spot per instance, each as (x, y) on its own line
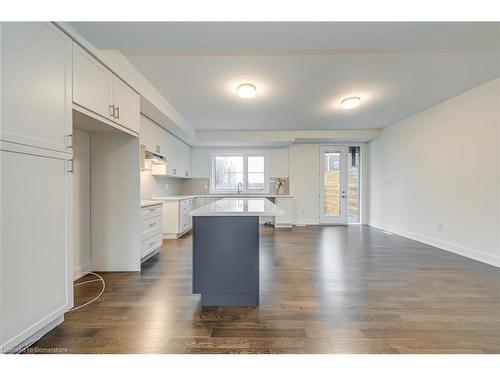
(226, 260)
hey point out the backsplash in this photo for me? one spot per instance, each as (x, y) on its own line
(156, 186)
(196, 186)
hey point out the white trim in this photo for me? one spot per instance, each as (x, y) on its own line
(81, 271)
(304, 224)
(34, 329)
(150, 254)
(174, 236)
(442, 245)
(34, 337)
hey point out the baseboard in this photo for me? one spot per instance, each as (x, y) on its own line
(440, 244)
(175, 236)
(24, 339)
(303, 224)
(149, 255)
(283, 225)
(81, 271)
(37, 335)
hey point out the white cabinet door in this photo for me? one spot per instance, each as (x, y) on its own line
(186, 156)
(126, 102)
(148, 134)
(91, 84)
(172, 152)
(36, 245)
(162, 141)
(36, 85)
(178, 160)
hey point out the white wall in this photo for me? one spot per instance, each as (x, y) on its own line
(277, 160)
(442, 166)
(304, 182)
(81, 193)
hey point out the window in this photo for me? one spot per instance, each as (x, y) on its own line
(228, 172)
(255, 174)
(244, 171)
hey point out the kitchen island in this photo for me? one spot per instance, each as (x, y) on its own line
(226, 250)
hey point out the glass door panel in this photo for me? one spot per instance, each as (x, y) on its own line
(331, 183)
(333, 196)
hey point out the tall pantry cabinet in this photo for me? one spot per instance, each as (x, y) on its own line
(36, 181)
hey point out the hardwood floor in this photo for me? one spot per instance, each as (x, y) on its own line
(323, 290)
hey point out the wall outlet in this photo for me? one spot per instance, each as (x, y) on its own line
(205, 186)
(439, 227)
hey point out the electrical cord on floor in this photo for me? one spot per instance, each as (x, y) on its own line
(90, 281)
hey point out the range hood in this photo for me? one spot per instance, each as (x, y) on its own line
(150, 159)
(154, 157)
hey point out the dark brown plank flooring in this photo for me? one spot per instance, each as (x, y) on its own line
(324, 289)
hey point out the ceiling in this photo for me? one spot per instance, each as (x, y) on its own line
(303, 70)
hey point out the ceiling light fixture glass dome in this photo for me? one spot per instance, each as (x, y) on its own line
(246, 90)
(350, 103)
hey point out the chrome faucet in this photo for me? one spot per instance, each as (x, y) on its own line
(239, 185)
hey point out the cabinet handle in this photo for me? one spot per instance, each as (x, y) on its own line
(152, 243)
(69, 141)
(152, 225)
(175, 171)
(157, 148)
(112, 110)
(70, 166)
(118, 113)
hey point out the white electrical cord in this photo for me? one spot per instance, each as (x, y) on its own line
(90, 281)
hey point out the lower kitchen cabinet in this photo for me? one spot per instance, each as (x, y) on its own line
(176, 218)
(151, 233)
(36, 256)
(285, 221)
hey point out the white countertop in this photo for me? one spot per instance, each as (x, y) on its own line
(149, 203)
(239, 207)
(181, 197)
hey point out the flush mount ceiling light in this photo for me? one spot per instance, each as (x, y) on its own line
(350, 103)
(246, 90)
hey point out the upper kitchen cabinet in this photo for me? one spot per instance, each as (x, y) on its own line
(185, 167)
(98, 90)
(37, 78)
(91, 84)
(126, 104)
(178, 156)
(149, 134)
(158, 140)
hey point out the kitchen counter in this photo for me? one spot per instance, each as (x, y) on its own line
(181, 197)
(239, 207)
(147, 203)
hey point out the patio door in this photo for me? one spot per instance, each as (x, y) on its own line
(333, 185)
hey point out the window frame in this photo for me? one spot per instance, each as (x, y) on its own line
(245, 190)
